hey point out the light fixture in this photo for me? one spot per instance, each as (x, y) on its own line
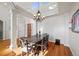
(38, 16)
(50, 7)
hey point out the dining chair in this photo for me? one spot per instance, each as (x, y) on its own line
(57, 41)
(40, 45)
(46, 41)
(23, 46)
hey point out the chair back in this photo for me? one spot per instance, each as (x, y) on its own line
(21, 43)
(57, 41)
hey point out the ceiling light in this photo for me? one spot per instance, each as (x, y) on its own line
(50, 7)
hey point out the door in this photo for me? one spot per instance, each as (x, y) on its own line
(29, 30)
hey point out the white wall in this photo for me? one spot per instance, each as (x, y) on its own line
(57, 28)
(21, 26)
(74, 37)
(22, 22)
(5, 17)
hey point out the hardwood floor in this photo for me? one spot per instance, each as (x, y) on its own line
(53, 50)
(58, 50)
(4, 47)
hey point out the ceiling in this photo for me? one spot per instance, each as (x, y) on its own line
(33, 7)
(46, 8)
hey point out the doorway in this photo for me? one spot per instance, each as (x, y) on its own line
(1, 29)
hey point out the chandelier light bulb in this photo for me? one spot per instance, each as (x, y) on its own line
(39, 14)
(34, 15)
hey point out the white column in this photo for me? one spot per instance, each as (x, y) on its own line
(13, 29)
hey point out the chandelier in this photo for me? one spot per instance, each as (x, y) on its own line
(38, 16)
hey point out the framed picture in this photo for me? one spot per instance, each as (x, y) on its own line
(75, 22)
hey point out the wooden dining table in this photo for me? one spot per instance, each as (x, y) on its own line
(34, 39)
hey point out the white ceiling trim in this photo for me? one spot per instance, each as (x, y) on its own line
(20, 10)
